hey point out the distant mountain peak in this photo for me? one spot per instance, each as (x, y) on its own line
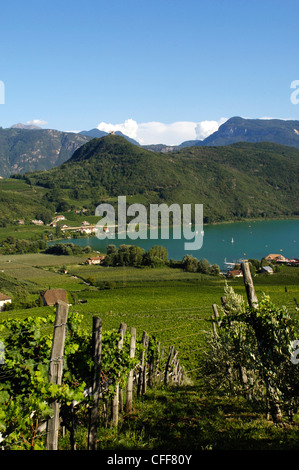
(238, 129)
(96, 133)
(24, 126)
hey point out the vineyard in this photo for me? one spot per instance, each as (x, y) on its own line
(72, 369)
(46, 381)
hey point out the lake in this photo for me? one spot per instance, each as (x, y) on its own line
(230, 242)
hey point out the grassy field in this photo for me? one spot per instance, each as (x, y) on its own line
(175, 307)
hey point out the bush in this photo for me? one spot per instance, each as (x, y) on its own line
(251, 354)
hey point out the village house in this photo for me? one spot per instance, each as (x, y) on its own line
(293, 262)
(51, 296)
(235, 273)
(267, 269)
(88, 230)
(37, 222)
(273, 258)
(4, 299)
(95, 259)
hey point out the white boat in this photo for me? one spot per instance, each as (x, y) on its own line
(232, 240)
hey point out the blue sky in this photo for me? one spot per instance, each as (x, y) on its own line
(160, 70)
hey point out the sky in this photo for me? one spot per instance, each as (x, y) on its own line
(161, 71)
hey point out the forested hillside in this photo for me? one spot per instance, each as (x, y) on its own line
(233, 182)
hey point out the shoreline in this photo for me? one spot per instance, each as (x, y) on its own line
(227, 222)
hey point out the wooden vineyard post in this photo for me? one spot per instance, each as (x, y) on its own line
(249, 286)
(175, 363)
(141, 388)
(144, 381)
(216, 314)
(129, 399)
(115, 403)
(151, 368)
(157, 362)
(215, 334)
(96, 386)
(168, 365)
(56, 369)
(160, 372)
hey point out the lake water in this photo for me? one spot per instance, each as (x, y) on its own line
(230, 242)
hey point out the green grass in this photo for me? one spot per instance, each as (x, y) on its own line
(183, 419)
(174, 306)
(23, 232)
(195, 422)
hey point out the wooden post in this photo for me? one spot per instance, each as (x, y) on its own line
(144, 381)
(151, 369)
(129, 400)
(174, 363)
(214, 326)
(216, 314)
(96, 386)
(157, 361)
(249, 286)
(168, 365)
(56, 369)
(160, 363)
(115, 402)
(73, 427)
(141, 388)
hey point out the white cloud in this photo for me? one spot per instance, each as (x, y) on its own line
(129, 128)
(36, 122)
(205, 128)
(161, 133)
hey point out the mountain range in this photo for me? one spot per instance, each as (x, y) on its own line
(26, 148)
(233, 182)
(238, 129)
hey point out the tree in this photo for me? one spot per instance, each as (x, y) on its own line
(203, 266)
(112, 249)
(136, 255)
(214, 270)
(190, 263)
(156, 256)
(46, 215)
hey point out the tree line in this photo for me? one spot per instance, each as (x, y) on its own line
(156, 256)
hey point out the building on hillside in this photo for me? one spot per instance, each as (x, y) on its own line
(88, 230)
(4, 299)
(57, 218)
(37, 222)
(273, 258)
(51, 296)
(267, 269)
(95, 259)
(293, 262)
(235, 273)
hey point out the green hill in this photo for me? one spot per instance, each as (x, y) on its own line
(233, 182)
(19, 200)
